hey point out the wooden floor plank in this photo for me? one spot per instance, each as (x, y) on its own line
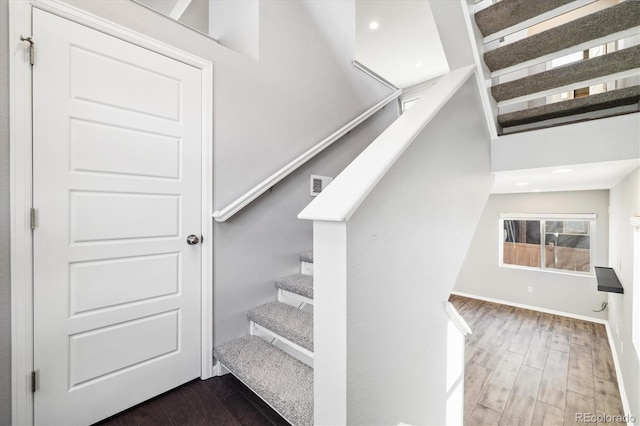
(536, 356)
(561, 339)
(547, 415)
(484, 416)
(501, 382)
(581, 332)
(577, 406)
(522, 401)
(198, 407)
(150, 414)
(522, 339)
(580, 377)
(599, 330)
(603, 367)
(475, 381)
(554, 380)
(607, 398)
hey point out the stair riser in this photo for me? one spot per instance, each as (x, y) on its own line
(293, 299)
(306, 268)
(281, 343)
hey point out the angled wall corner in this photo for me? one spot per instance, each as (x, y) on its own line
(236, 25)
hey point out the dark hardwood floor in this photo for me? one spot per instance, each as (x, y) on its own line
(219, 401)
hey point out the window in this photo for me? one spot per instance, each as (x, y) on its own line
(560, 243)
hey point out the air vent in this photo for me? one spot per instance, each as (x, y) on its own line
(318, 183)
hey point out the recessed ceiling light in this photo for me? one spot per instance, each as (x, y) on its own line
(373, 25)
(522, 183)
(419, 64)
(562, 171)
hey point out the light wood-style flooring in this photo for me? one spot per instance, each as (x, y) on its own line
(531, 368)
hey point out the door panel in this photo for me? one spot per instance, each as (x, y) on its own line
(117, 185)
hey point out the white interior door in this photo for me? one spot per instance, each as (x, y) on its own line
(117, 187)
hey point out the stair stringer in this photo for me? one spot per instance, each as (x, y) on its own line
(462, 44)
(382, 275)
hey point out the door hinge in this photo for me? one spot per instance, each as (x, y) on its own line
(33, 218)
(32, 51)
(34, 380)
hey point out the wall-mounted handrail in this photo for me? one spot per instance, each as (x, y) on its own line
(225, 213)
(349, 189)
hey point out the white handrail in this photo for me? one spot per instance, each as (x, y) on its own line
(350, 188)
(262, 187)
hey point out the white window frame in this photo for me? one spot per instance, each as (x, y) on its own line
(591, 217)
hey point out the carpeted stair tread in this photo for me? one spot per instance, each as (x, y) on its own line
(291, 323)
(508, 13)
(298, 284)
(599, 24)
(306, 256)
(281, 380)
(600, 101)
(599, 66)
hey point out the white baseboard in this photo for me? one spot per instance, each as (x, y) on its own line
(614, 354)
(616, 364)
(219, 369)
(532, 308)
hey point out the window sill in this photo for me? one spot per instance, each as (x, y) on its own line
(549, 271)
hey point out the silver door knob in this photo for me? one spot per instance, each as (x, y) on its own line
(192, 240)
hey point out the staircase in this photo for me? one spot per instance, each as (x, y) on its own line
(560, 61)
(275, 359)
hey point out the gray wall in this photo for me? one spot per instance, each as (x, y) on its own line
(263, 242)
(482, 276)
(5, 283)
(625, 202)
(406, 244)
(265, 114)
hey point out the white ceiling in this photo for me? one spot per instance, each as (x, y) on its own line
(582, 177)
(406, 36)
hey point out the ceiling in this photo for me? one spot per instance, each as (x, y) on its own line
(577, 177)
(405, 47)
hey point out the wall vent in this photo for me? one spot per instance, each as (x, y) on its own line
(318, 183)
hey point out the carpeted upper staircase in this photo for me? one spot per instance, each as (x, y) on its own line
(522, 48)
(274, 359)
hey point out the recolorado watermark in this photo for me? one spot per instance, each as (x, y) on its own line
(604, 418)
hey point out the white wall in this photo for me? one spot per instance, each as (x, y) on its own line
(406, 244)
(5, 278)
(481, 275)
(265, 114)
(625, 202)
(264, 241)
(591, 141)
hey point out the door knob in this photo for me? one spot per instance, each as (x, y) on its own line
(192, 240)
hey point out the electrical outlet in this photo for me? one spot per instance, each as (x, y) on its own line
(530, 289)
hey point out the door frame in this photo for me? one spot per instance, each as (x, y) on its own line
(21, 187)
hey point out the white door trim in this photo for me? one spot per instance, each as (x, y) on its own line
(20, 140)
